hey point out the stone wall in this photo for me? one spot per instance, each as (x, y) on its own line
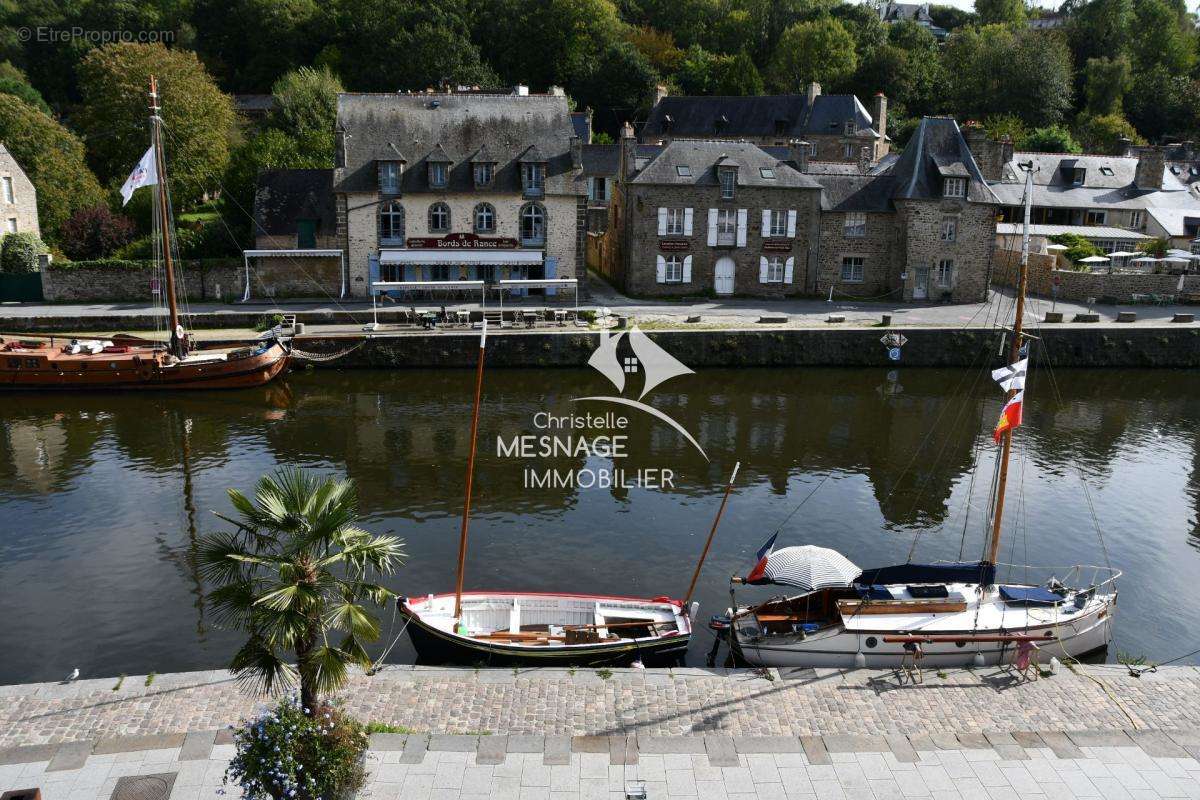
(971, 250)
(295, 276)
(643, 239)
(213, 280)
(1081, 286)
(880, 250)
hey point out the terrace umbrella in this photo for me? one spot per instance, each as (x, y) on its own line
(1057, 247)
(808, 568)
(1123, 254)
(1093, 260)
(1145, 260)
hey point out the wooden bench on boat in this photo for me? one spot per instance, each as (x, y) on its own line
(851, 608)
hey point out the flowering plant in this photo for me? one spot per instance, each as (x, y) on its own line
(287, 754)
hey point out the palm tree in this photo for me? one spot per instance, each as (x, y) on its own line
(293, 575)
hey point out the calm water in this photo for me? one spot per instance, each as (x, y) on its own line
(101, 497)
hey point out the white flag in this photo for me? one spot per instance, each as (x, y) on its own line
(144, 174)
(1012, 377)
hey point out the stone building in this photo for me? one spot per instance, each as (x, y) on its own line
(837, 127)
(18, 198)
(297, 250)
(695, 217)
(459, 186)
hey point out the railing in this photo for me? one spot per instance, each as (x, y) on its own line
(726, 239)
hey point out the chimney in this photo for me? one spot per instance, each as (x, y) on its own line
(880, 114)
(814, 91)
(798, 154)
(864, 160)
(1124, 146)
(576, 152)
(588, 113)
(1149, 173)
(990, 156)
(660, 91)
(521, 90)
(627, 145)
(557, 91)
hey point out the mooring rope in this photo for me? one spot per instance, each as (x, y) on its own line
(318, 357)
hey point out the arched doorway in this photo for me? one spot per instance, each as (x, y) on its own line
(723, 275)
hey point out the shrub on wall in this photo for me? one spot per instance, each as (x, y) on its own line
(94, 232)
(19, 253)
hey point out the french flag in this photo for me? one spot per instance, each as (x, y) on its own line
(760, 569)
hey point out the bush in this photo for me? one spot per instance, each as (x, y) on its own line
(94, 232)
(1077, 246)
(19, 253)
(285, 753)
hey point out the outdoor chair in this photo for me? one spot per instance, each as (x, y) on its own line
(910, 662)
(1025, 660)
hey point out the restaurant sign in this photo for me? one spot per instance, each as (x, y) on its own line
(674, 245)
(462, 241)
(777, 245)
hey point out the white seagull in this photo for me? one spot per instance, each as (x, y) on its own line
(73, 676)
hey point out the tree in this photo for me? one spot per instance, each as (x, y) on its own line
(1001, 12)
(306, 102)
(1156, 248)
(951, 17)
(269, 149)
(620, 80)
(19, 253)
(21, 90)
(1051, 139)
(94, 232)
(53, 158)
(1162, 36)
(998, 70)
(249, 44)
(658, 48)
(697, 71)
(197, 117)
(294, 572)
(821, 50)
(1000, 125)
(1106, 80)
(1103, 134)
(1077, 246)
(1100, 29)
(738, 77)
(1162, 103)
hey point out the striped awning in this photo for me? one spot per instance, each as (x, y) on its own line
(809, 568)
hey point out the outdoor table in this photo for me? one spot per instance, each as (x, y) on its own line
(429, 320)
(464, 317)
(560, 316)
(530, 318)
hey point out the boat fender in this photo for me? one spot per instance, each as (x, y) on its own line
(401, 601)
(720, 622)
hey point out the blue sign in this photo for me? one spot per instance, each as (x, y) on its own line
(894, 353)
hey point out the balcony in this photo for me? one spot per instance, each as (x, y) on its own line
(726, 239)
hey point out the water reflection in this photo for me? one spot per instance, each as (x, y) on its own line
(101, 498)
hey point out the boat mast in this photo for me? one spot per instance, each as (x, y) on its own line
(164, 218)
(1013, 356)
(711, 534)
(466, 517)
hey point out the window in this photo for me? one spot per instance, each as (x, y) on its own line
(849, 128)
(8, 190)
(441, 272)
(1106, 171)
(438, 172)
(767, 173)
(945, 273)
(533, 178)
(726, 226)
(1093, 217)
(848, 151)
(598, 190)
(485, 218)
(852, 269)
(812, 150)
(484, 172)
(533, 224)
(439, 218)
(674, 221)
(1078, 175)
(778, 225)
(1135, 219)
(683, 170)
(854, 224)
(949, 229)
(728, 182)
(674, 271)
(389, 177)
(774, 269)
(954, 187)
(391, 223)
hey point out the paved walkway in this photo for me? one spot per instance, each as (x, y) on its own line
(643, 702)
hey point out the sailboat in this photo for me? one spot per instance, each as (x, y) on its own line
(501, 628)
(941, 614)
(129, 363)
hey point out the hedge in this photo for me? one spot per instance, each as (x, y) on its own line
(19, 253)
(116, 264)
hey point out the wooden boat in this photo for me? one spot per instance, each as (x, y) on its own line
(935, 614)
(542, 628)
(91, 364)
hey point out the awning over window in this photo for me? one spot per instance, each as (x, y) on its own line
(542, 283)
(391, 286)
(463, 256)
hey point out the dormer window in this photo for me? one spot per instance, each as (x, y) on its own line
(439, 174)
(849, 128)
(485, 173)
(389, 177)
(1077, 176)
(954, 187)
(720, 123)
(667, 121)
(728, 176)
(1106, 171)
(533, 178)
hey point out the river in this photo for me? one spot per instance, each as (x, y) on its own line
(102, 497)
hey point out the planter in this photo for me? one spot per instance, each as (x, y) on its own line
(1054, 316)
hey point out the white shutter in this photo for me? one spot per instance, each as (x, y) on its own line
(762, 269)
(741, 229)
(788, 267)
(766, 228)
(687, 267)
(662, 270)
(791, 223)
(687, 222)
(712, 227)
(662, 222)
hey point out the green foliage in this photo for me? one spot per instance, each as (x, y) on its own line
(658, 48)
(248, 44)
(114, 264)
(306, 102)
(1162, 102)
(951, 17)
(1000, 125)
(1003, 12)
(23, 91)
(294, 573)
(1077, 246)
(268, 149)
(197, 117)
(384, 727)
(1050, 139)
(821, 50)
(737, 76)
(1154, 247)
(19, 253)
(1162, 36)
(291, 751)
(601, 137)
(1103, 134)
(53, 158)
(619, 78)
(1106, 80)
(998, 70)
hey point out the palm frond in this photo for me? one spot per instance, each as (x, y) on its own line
(353, 619)
(258, 667)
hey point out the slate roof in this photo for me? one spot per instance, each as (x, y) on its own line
(282, 196)
(1177, 221)
(411, 127)
(702, 156)
(784, 115)
(601, 159)
(1053, 186)
(937, 150)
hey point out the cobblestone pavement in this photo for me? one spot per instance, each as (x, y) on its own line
(654, 702)
(1103, 765)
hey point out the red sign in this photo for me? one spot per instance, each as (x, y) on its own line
(463, 241)
(777, 245)
(674, 245)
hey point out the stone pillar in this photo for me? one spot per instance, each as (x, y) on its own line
(1149, 173)
(798, 150)
(814, 91)
(880, 114)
